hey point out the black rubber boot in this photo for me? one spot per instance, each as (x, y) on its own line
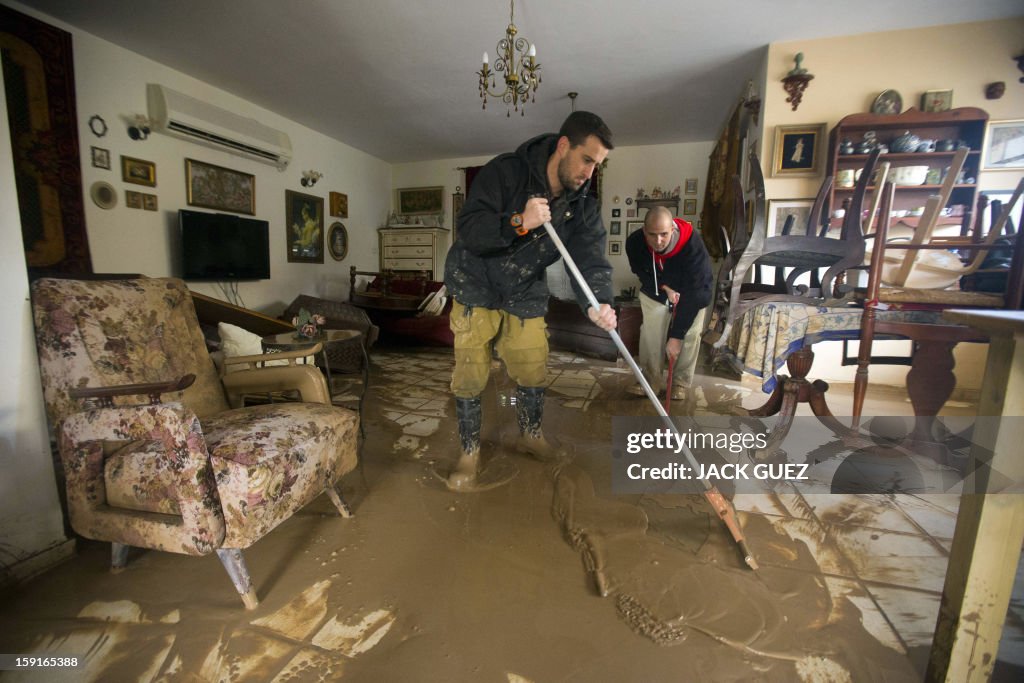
(530, 412)
(467, 410)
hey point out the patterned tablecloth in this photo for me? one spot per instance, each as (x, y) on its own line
(768, 333)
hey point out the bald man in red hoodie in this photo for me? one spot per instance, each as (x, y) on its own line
(669, 257)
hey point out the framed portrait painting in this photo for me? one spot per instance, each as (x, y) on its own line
(798, 149)
(217, 187)
(339, 204)
(304, 227)
(420, 201)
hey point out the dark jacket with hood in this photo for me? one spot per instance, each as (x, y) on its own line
(489, 265)
(686, 269)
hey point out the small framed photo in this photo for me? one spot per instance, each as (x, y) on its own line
(337, 241)
(100, 157)
(689, 207)
(633, 225)
(615, 228)
(138, 171)
(937, 100)
(630, 213)
(1004, 146)
(798, 149)
(690, 186)
(339, 204)
(614, 247)
(133, 200)
(616, 213)
(420, 201)
(779, 209)
(149, 202)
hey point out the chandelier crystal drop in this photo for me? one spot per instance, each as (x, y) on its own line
(516, 59)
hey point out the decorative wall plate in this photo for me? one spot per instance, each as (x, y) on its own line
(888, 102)
(103, 194)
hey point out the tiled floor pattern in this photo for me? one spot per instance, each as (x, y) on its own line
(886, 552)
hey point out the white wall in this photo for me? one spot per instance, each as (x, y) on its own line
(31, 524)
(849, 72)
(111, 82)
(628, 169)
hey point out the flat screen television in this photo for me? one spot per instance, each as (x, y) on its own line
(220, 246)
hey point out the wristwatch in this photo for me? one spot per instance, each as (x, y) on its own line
(517, 222)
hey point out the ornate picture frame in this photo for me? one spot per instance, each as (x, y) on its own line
(304, 227)
(216, 187)
(419, 201)
(337, 241)
(138, 171)
(798, 150)
(690, 186)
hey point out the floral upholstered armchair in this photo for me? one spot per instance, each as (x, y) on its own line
(181, 470)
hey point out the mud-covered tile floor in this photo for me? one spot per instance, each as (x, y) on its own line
(424, 584)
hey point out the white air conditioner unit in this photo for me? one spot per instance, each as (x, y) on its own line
(186, 117)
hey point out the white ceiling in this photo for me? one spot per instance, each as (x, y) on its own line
(396, 78)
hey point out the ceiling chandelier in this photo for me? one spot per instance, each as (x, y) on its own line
(517, 59)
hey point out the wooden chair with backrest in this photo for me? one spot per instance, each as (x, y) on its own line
(810, 248)
(931, 380)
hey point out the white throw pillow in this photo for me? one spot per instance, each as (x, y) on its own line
(235, 341)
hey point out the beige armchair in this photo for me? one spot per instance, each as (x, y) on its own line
(184, 471)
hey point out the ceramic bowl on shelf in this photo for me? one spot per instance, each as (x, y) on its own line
(908, 175)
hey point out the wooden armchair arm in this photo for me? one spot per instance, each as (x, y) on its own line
(253, 361)
(105, 395)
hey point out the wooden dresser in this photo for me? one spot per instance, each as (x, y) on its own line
(413, 248)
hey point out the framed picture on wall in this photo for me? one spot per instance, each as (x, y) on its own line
(798, 149)
(633, 225)
(689, 207)
(1004, 146)
(304, 227)
(420, 201)
(100, 157)
(615, 228)
(614, 247)
(779, 209)
(690, 186)
(138, 171)
(337, 241)
(616, 213)
(339, 204)
(216, 187)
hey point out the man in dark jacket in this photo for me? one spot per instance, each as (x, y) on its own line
(495, 273)
(669, 257)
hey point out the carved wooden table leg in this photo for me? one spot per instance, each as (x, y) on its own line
(795, 389)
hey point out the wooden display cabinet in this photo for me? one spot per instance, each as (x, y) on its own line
(966, 124)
